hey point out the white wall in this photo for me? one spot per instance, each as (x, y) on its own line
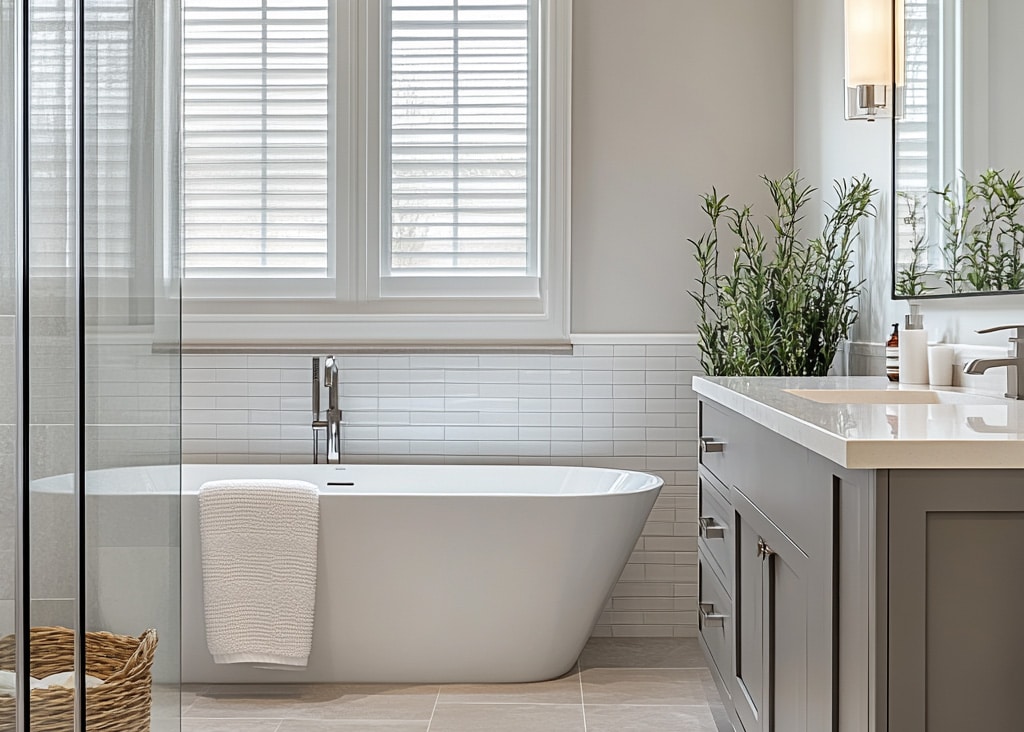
(670, 98)
(1005, 101)
(828, 147)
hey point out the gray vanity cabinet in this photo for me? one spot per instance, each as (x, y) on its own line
(873, 600)
(770, 551)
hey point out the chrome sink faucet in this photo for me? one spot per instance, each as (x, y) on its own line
(1014, 364)
(332, 424)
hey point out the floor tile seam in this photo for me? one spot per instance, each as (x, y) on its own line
(282, 719)
(583, 701)
(433, 710)
(279, 720)
(508, 703)
(627, 704)
(643, 668)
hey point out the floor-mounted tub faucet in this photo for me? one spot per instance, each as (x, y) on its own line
(332, 424)
(333, 412)
(1014, 364)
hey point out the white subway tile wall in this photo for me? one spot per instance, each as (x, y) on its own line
(621, 406)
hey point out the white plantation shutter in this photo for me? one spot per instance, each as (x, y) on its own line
(459, 123)
(255, 132)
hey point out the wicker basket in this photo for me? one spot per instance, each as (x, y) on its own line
(121, 704)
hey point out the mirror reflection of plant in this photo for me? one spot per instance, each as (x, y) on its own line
(1004, 201)
(955, 218)
(781, 309)
(911, 281)
(988, 255)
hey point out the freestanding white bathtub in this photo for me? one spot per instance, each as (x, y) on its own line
(441, 573)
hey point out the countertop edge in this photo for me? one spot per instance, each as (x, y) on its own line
(827, 444)
(866, 454)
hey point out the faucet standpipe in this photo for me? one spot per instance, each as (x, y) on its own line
(331, 425)
(331, 380)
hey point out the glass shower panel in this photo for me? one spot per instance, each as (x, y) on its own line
(89, 360)
(8, 355)
(52, 322)
(51, 348)
(132, 359)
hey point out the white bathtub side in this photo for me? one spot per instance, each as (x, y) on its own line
(419, 588)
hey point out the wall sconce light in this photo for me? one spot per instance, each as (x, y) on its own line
(869, 59)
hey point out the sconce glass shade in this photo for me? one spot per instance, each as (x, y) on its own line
(869, 58)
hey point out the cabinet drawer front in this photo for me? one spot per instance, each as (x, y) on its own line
(713, 451)
(715, 531)
(714, 619)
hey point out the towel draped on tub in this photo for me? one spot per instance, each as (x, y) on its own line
(259, 550)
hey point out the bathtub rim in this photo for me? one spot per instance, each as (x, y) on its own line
(186, 485)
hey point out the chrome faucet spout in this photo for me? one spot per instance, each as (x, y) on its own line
(1014, 363)
(981, 365)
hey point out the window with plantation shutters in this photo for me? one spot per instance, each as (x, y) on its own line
(376, 171)
(255, 123)
(459, 106)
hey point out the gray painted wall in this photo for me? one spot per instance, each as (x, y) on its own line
(670, 98)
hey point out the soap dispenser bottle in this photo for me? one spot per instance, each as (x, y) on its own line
(892, 354)
(913, 349)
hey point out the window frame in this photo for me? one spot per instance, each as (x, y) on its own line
(359, 307)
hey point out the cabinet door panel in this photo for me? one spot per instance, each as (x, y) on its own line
(787, 609)
(749, 681)
(956, 559)
(770, 608)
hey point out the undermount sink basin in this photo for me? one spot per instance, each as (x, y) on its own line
(889, 396)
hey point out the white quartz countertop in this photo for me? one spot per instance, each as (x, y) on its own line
(965, 430)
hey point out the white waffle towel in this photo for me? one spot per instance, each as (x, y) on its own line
(258, 543)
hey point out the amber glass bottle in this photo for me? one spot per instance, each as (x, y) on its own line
(892, 354)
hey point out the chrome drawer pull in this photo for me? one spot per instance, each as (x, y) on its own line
(709, 618)
(710, 444)
(709, 529)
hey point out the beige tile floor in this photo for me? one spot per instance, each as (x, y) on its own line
(619, 685)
